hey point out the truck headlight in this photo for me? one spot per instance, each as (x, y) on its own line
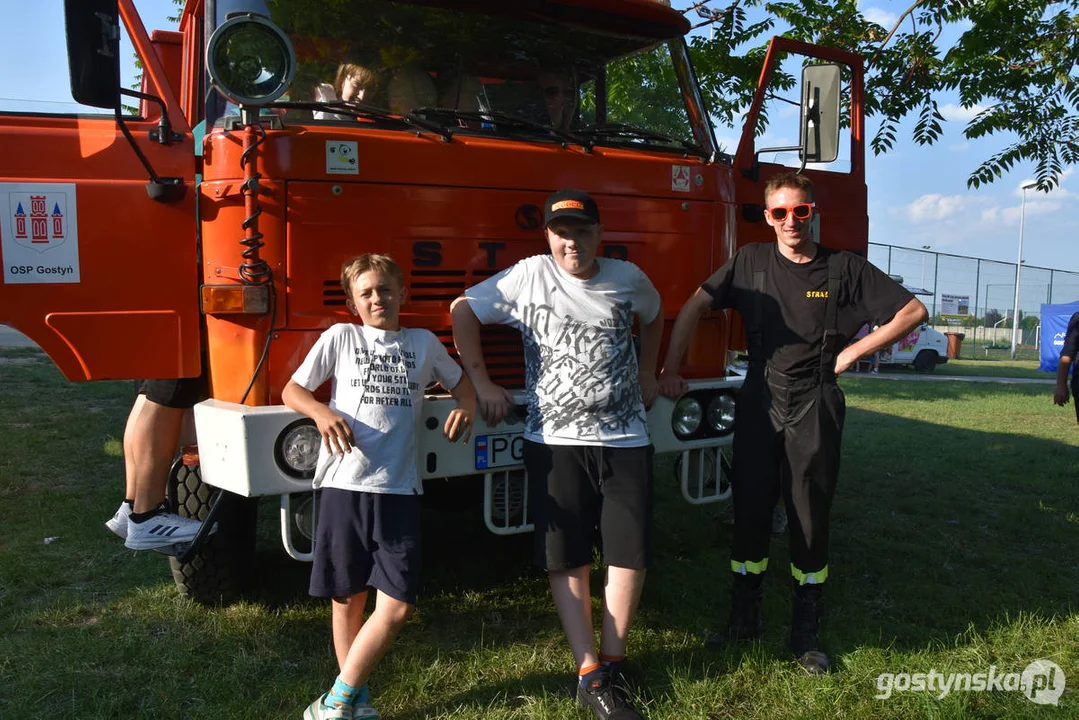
(296, 449)
(721, 413)
(250, 60)
(687, 416)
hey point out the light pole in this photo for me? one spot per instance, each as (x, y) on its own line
(922, 286)
(1019, 267)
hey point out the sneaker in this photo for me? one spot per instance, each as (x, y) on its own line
(364, 711)
(162, 530)
(118, 522)
(318, 710)
(607, 697)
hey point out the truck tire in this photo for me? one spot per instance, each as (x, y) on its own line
(925, 361)
(219, 571)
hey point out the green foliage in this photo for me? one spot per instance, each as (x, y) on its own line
(1014, 61)
(642, 92)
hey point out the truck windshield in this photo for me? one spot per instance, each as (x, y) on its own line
(586, 78)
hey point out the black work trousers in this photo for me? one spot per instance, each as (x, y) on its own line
(786, 442)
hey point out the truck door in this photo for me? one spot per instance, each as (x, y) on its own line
(839, 192)
(97, 272)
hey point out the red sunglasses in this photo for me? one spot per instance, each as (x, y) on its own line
(802, 211)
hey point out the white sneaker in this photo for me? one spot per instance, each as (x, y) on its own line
(318, 711)
(118, 522)
(162, 530)
(364, 711)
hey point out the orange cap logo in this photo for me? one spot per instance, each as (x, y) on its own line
(567, 205)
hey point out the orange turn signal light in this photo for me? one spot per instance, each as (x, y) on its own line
(235, 299)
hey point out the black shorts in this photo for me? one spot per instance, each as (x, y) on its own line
(366, 540)
(581, 492)
(179, 393)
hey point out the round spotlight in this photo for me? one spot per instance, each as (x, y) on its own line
(687, 416)
(250, 60)
(296, 449)
(721, 413)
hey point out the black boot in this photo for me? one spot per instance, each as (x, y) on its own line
(805, 628)
(745, 624)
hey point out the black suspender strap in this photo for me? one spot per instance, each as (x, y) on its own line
(830, 342)
(755, 331)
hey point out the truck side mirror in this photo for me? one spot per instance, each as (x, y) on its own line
(93, 51)
(820, 113)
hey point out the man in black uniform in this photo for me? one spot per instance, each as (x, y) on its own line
(801, 304)
(1067, 355)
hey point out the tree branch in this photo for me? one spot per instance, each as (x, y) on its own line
(895, 29)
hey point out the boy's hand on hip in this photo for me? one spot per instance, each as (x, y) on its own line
(494, 402)
(335, 431)
(458, 425)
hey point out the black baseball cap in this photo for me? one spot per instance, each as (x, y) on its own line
(570, 203)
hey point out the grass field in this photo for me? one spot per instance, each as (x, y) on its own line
(955, 548)
(1027, 369)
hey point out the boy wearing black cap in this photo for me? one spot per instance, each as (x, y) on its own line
(586, 450)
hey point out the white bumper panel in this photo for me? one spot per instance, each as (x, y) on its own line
(236, 448)
(236, 442)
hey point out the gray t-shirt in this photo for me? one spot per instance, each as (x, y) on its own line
(580, 361)
(378, 382)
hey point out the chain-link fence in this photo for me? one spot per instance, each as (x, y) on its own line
(976, 297)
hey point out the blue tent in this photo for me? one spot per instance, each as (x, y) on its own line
(1054, 325)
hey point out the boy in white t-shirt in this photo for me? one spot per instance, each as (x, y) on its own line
(369, 511)
(586, 445)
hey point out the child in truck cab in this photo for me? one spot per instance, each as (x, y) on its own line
(560, 96)
(368, 529)
(587, 451)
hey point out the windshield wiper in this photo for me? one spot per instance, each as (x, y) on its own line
(361, 110)
(617, 130)
(498, 117)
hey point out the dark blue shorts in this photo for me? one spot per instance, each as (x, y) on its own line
(366, 540)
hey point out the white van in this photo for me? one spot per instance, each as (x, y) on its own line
(923, 347)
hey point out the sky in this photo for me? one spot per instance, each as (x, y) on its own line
(917, 195)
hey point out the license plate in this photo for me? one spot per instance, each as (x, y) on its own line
(499, 450)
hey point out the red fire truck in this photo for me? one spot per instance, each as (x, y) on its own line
(201, 226)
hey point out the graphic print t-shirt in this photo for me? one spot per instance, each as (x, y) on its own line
(580, 361)
(378, 383)
(794, 298)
